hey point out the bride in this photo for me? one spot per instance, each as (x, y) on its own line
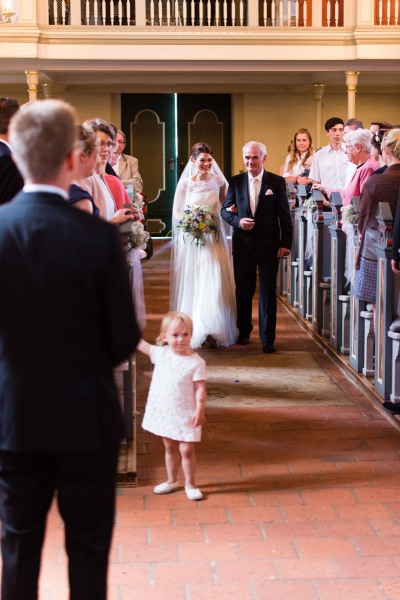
(201, 281)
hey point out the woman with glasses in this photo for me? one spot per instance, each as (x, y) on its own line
(99, 184)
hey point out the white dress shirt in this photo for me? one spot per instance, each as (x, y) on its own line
(330, 167)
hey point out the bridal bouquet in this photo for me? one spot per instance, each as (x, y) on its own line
(349, 214)
(198, 221)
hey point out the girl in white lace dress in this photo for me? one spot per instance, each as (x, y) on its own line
(176, 401)
(201, 279)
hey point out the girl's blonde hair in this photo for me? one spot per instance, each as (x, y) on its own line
(173, 315)
(391, 139)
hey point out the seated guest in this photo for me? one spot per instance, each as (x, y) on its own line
(126, 167)
(11, 181)
(358, 148)
(299, 152)
(86, 165)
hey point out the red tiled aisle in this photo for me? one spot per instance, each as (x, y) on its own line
(301, 502)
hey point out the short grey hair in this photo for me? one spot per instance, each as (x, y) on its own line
(262, 148)
(43, 134)
(359, 136)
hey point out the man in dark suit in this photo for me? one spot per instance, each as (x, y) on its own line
(66, 320)
(10, 178)
(256, 206)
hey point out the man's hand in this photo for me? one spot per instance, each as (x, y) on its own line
(282, 252)
(246, 224)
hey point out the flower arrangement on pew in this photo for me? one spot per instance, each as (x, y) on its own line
(349, 214)
(310, 204)
(139, 202)
(197, 222)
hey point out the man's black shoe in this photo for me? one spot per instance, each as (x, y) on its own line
(268, 348)
(243, 340)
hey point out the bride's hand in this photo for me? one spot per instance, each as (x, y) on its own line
(233, 209)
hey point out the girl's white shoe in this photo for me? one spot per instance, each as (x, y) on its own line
(166, 488)
(193, 493)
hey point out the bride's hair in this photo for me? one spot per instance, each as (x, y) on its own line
(199, 148)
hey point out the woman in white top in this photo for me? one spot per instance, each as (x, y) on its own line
(300, 151)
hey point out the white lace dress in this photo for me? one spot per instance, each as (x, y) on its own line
(171, 403)
(201, 282)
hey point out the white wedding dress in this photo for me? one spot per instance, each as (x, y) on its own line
(201, 281)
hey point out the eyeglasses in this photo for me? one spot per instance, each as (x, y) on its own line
(121, 142)
(108, 144)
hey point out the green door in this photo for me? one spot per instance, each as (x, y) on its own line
(160, 131)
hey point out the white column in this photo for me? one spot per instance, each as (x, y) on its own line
(252, 9)
(140, 13)
(351, 82)
(32, 79)
(319, 89)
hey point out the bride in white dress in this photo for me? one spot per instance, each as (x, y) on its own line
(201, 280)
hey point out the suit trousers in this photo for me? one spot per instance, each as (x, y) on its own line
(84, 485)
(245, 270)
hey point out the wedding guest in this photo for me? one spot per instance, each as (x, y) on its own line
(384, 187)
(262, 235)
(352, 125)
(358, 149)
(10, 178)
(330, 164)
(126, 166)
(86, 165)
(98, 184)
(300, 151)
(66, 295)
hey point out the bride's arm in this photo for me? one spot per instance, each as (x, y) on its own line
(179, 201)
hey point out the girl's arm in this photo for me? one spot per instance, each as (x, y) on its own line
(143, 347)
(200, 396)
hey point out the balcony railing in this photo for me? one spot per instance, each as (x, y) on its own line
(214, 13)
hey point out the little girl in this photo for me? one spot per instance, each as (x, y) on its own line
(176, 401)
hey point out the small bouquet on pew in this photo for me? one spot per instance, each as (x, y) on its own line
(197, 222)
(310, 204)
(139, 202)
(349, 214)
(137, 236)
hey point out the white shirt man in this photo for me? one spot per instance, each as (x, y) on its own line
(331, 167)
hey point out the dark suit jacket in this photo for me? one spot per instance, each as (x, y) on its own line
(273, 226)
(11, 181)
(66, 319)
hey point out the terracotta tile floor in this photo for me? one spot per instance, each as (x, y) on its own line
(301, 502)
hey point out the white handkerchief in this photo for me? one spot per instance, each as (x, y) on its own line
(269, 193)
